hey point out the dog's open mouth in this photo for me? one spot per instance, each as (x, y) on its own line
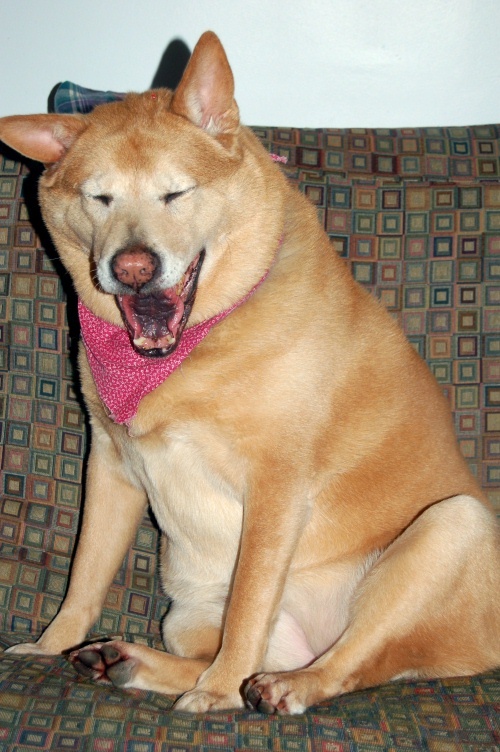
(155, 322)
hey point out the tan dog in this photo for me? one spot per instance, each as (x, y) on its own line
(320, 524)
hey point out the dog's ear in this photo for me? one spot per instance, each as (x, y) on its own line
(205, 95)
(44, 138)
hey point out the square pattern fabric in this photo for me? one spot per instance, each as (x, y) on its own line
(416, 215)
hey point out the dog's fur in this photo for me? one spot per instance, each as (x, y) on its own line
(319, 522)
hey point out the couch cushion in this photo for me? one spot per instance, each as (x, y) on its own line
(416, 214)
(44, 706)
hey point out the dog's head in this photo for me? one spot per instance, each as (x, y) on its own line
(141, 199)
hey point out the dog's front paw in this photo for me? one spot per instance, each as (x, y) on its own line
(280, 693)
(199, 700)
(29, 648)
(106, 662)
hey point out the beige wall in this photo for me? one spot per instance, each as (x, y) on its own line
(338, 63)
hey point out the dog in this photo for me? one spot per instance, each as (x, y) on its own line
(321, 532)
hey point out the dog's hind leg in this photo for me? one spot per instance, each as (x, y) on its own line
(428, 608)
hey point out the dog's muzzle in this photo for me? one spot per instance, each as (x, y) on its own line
(155, 318)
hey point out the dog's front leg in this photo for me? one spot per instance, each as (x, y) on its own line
(274, 517)
(112, 511)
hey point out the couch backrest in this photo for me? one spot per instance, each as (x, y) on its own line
(416, 213)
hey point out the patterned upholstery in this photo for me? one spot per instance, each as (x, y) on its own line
(42, 706)
(416, 213)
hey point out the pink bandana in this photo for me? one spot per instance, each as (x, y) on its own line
(123, 376)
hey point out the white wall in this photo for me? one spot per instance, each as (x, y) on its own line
(337, 63)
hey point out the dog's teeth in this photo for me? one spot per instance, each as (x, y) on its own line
(148, 343)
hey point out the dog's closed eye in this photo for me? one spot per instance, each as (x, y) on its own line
(169, 197)
(103, 198)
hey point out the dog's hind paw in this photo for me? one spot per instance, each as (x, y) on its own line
(106, 662)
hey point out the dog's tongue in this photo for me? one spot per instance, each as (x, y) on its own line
(155, 322)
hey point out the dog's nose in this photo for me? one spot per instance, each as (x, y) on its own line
(135, 266)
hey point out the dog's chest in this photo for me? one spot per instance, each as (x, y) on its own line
(191, 479)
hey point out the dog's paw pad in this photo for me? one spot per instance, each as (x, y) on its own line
(255, 701)
(271, 693)
(104, 662)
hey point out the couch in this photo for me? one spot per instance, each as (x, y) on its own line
(416, 214)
